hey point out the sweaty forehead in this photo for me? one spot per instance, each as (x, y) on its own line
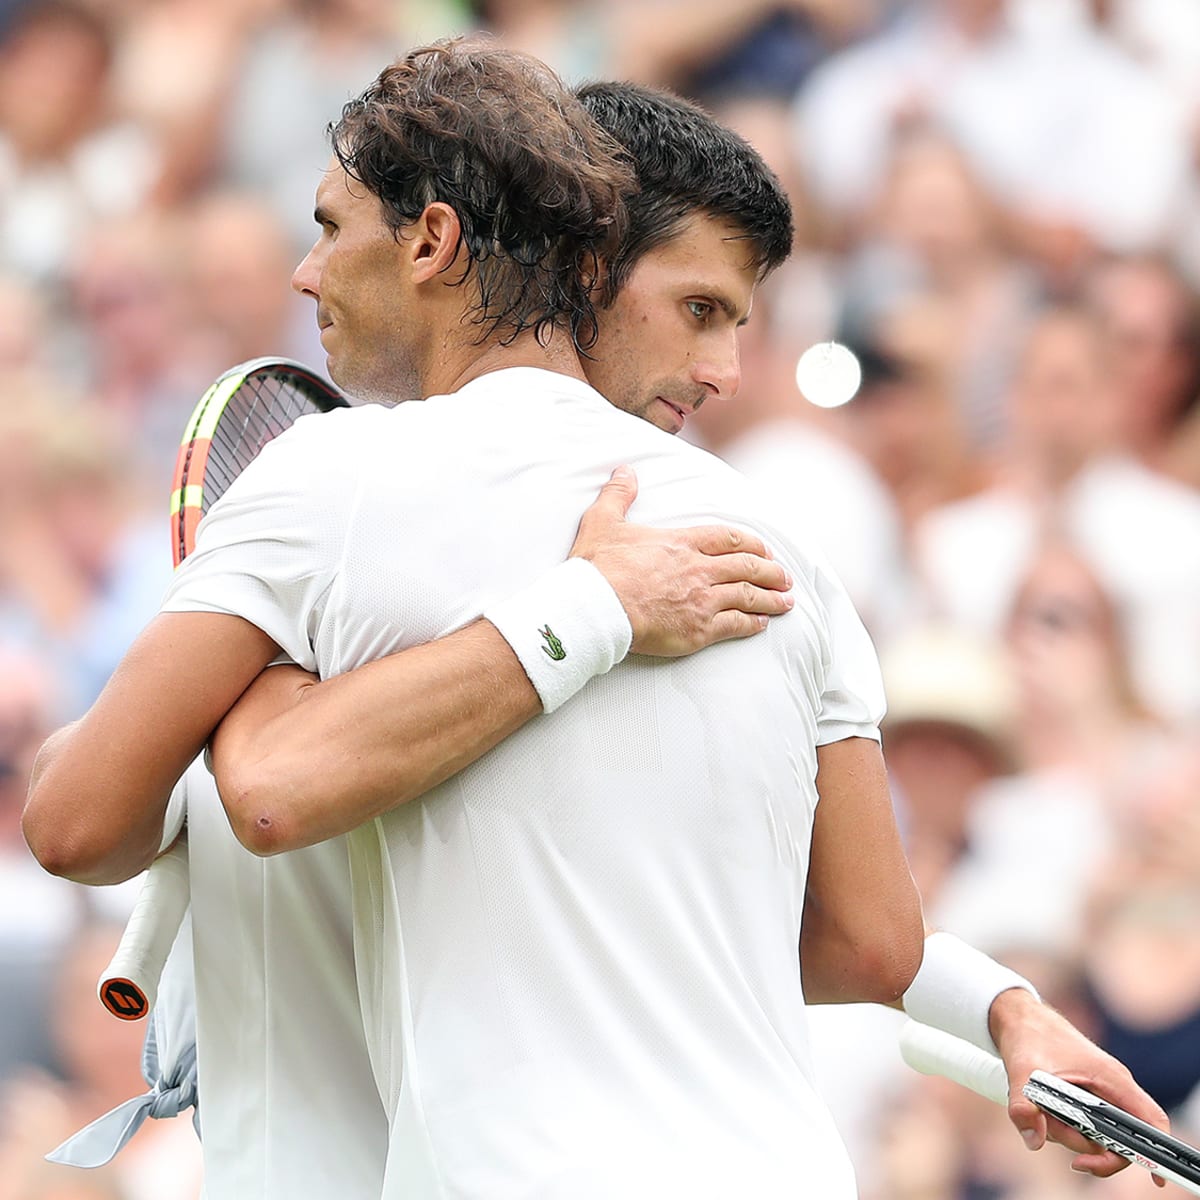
(333, 184)
(340, 197)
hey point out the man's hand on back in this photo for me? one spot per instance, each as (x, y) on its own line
(682, 589)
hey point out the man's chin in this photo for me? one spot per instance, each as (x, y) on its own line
(347, 381)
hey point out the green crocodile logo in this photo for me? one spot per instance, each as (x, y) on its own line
(553, 647)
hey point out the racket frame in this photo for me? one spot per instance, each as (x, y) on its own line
(128, 986)
(189, 492)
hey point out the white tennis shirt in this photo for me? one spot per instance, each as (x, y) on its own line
(577, 960)
(288, 1107)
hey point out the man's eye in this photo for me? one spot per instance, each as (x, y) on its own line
(699, 309)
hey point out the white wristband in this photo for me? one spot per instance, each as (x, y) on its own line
(567, 628)
(954, 989)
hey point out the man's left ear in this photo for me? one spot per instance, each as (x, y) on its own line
(435, 238)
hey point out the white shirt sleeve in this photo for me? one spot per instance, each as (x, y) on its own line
(852, 703)
(268, 551)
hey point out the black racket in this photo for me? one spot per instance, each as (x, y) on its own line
(933, 1052)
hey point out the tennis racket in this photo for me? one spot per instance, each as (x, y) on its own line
(236, 417)
(933, 1052)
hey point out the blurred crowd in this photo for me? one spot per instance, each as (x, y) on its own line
(998, 210)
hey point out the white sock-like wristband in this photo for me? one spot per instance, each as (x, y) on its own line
(567, 628)
(954, 989)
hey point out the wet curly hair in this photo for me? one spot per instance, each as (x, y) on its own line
(539, 188)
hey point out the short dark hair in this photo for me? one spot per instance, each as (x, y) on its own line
(686, 162)
(538, 187)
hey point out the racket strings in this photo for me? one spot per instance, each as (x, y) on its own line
(261, 409)
(244, 409)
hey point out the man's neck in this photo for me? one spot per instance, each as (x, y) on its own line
(458, 365)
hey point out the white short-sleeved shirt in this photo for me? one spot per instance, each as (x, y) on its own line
(577, 959)
(289, 1109)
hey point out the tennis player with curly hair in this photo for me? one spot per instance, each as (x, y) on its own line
(580, 878)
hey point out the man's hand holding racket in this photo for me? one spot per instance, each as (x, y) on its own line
(1032, 1036)
(1044, 1057)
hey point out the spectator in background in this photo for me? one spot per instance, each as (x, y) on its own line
(1063, 469)
(771, 50)
(136, 355)
(934, 233)
(906, 420)
(292, 80)
(1082, 739)
(1096, 897)
(698, 47)
(1141, 953)
(1098, 160)
(25, 338)
(940, 1142)
(948, 732)
(65, 159)
(83, 560)
(237, 261)
(1162, 33)
(37, 912)
(1150, 315)
(175, 64)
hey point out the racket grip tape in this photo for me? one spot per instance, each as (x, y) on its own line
(129, 985)
(934, 1052)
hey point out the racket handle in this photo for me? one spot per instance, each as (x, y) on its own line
(129, 985)
(934, 1052)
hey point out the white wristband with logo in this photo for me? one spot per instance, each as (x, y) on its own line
(954, 989)
(566, 629)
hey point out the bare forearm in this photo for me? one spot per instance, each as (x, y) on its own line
(300, 760)
(657, 41)
(100, 787)
(78, 833)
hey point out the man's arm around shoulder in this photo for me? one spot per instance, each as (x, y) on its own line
(300, 760)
